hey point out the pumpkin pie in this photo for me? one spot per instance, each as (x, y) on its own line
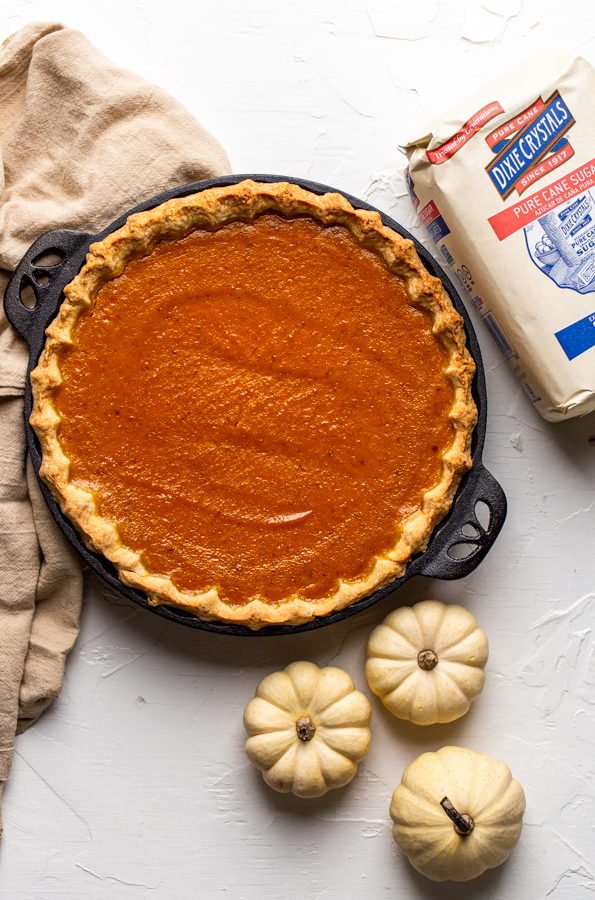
(255, 401)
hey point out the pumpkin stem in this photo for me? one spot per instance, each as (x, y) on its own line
(305, 727)
(463, 824)
(427, 660)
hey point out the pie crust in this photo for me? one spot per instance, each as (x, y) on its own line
(212, 209)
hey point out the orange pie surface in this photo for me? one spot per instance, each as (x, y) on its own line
(257, 408)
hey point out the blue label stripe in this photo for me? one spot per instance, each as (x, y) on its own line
(528, 148)
(577, 338)
(438, 229)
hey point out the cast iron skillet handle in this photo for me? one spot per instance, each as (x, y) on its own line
(29, 273)
(479, 485)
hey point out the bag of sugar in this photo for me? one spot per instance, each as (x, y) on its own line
(505, 184)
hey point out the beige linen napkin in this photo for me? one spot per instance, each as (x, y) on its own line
(81, 141)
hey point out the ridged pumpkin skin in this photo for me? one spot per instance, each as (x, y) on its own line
(478, 786)
(340, 714)
(425, 697)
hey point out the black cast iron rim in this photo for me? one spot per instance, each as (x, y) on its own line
(477, 485)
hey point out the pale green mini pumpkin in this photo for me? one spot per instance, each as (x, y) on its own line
(308, 729)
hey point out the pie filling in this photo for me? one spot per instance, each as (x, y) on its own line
(257, 408)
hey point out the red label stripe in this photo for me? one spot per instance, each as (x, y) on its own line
(544, 168)
(523, 212)
(504, 131)
(450, 147)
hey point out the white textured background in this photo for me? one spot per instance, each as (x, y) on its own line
(135, 783)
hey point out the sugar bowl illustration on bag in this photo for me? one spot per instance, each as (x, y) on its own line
(562, 244)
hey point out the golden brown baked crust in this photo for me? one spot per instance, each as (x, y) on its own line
(215, 208)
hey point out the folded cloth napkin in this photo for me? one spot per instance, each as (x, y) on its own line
(81, 141)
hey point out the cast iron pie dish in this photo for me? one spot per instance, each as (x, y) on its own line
(255, 401)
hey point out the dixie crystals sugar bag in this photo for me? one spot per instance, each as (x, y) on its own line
(505, 184)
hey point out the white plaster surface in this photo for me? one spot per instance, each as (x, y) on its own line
(135, 783)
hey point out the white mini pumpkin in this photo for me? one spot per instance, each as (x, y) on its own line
(457, 813)
(426, 662)
(308, 729)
